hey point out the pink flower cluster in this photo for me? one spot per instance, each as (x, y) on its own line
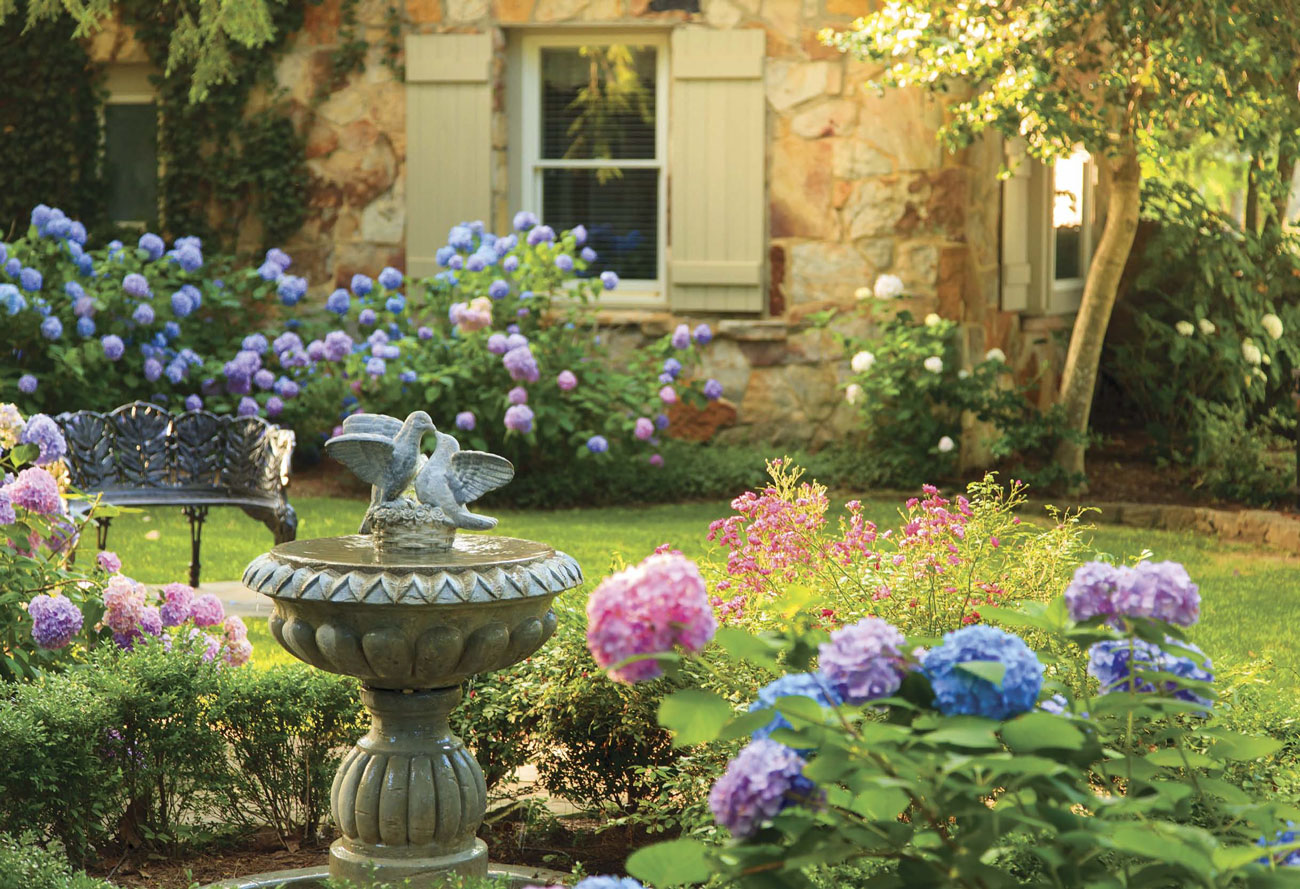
(936, 529)
(237, 648)
(772, 538)
(35, 490)
(649, 609)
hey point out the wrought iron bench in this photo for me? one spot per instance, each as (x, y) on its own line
(141, 455)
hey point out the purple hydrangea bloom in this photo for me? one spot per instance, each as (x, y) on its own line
(465, 421)
(598, 444)
(1114, 661)
(52, 328)
(408, 376)
(316, 350)
(588, 255)
(176, 371)
(153, 370)
(579, 233)
(498, 289)
(672, 367)
(862, 661)
(361, 285)
(178, 603)
(193, 403)
(287, 388)
(390, 278)
(1090, 593)
(338, 302)
(376, 367)
(764, 778)
(274, 405)
(564, 262)
(137, 285)
(461, 237)
(566, 380)
(36, 491)
(517, 395)
(366, 318)
(957, 692)
(539, 234)
(425, 333)
(476, 263)
(515, 340)
(291, 289)
(113, 346)
(792, 685)
(338, 345)
(27, 384)
(1160, 591)
(456, 263)
(152, 245)
(525, 220)
(264, 379)
(521, 365)
(143, 314)
(609, 280)
(247, 407)
(444, 254)
(286, 342)
(151, 621)
(7, 514)
(712, 389)
(55, 620)
(30, 280)
(269, 271)
(519, 418)
(608, 883)
(510, 263)
(108, 561)
(662, 421)
(681, 337)
(279, 258)
(703, 335)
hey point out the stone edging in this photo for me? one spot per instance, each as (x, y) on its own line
(1255, 526)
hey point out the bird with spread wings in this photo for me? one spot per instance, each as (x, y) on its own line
(386, 453)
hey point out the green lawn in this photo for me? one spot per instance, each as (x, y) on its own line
(1251, 597)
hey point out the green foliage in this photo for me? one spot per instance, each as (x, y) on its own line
(49, 124)
(913, 388)
(26, 864)
(285, 727)
(1197, 363)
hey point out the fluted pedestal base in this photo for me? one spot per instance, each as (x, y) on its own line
(409, 798)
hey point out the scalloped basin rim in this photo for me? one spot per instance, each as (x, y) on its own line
(357, 552)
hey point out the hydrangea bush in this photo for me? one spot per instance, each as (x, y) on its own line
(966, 762)
(501, 345)
(54, 611)
(914, 386)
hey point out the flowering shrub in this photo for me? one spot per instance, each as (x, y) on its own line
(949, 560)
(966, 765)
(912, 387)
(53, 611)
(501, 344)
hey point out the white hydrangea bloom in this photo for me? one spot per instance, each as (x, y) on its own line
(963, 374)
(1206, 325)
(934, 364)
(1251, 352)
(888, 287)
(1272, 325)
(861, 362)
(996, 354)
(1185, 328)
(946, 444)
(932, 319)
(862, 293)
(853, 393)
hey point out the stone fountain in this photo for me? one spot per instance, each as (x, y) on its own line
(412, 608)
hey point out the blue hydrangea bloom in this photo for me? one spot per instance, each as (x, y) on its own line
(510, 264)
(703, 335)
(1113, 663)
(338, 302)
(153, 370)
(662, 421)
(366, 318)
(361, 285)
(390, 278)
(189, 257)
(143, 314)
(255, 343)
(957, 692)
(137, 285)
(280, 258)
(792, 685)
(712, 389)
(376, 367)
(269, 271)
(86, 265)
(564, 262)
(176, 371)
(598, 444)
(13, 267)
(77, 233)
(672, 367)
(193, 403)
(461, 237)
(74, 290)
(608, 883)
(498, 289)
(195, 295)
(11, 299)
(171, 330)
(425, 333)
(181, 305)
(4, 252)
(52, 328)
(113, 346)
(588, 255)
(30, 280)
(540, 234)
(407, 376)
(524, 220)
(40, 215)
(444, 255)
(85, 326)
(396, 304)
(291, 289)
(456, 263)
(609, 280)
(1281, 838)
(152, 245)
(476, 263)
(27, 384)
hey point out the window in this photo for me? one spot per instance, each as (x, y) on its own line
(131, 145)
(1048, 232)
(594, 142)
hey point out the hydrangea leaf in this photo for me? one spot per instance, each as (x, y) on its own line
(990, 671)
(1233, 745)
(965, 731)
(746, 646)
(680, 862)
(694, 716)
(1039, 731)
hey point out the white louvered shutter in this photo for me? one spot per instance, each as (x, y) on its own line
(448, 140)
(717, 164)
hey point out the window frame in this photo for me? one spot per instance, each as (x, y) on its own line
(130, 84)
(1069, 291)
(631, 291)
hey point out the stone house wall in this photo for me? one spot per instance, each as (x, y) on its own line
(857, 186)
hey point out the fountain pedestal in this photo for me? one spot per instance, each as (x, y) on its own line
(412, 625)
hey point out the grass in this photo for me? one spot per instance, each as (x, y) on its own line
(1250, 608)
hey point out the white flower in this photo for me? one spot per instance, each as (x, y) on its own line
(1251, 352)
(1185, 328)
(932, 320)
(1259, 373)
(862, 293)
(1267, 360)
(946, 444)
(861, 362)
(963, 374)
(934, 364)
(1206, 325)
(996, 354)
(853, 393)
(1272, 325)
(888, 287)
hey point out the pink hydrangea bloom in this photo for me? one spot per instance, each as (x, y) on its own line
(644, 428)
(108, 561)
(566, 380)
(668, 395)
(236, 653)
(123, 604)
(654, 607)
(207, 610)
(36, 490)
(177, 605)
(234, 628)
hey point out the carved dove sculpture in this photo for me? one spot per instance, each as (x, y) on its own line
(452, 477)
(381, 451)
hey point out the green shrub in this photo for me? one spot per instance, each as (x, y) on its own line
(287, 728)
(25, 864)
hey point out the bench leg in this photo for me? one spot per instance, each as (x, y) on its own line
(196, 515)
(101, 533)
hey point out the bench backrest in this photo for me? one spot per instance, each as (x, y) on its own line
(142, 445)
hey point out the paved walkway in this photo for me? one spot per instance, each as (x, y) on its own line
(238, 599)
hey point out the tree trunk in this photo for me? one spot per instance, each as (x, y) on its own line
(1079, 378)
(1285, 174)
(1251, 221)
